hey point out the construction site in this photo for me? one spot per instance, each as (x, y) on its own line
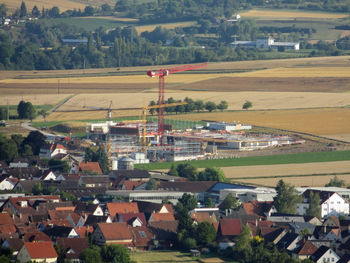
(131, 142)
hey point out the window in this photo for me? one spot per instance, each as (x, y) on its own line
(338, 202)
(142, 234)
(332, 203)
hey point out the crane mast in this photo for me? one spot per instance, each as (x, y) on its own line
(162, 73)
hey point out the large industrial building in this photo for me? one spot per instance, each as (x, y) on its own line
(266, 43)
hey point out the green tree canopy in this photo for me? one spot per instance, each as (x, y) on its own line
(230, 202)
(173, 170)
(23, 10)
(115, 254)
(335, 181)
(97, 155)
(25, 110)
(36, 140)
(212, 174)
(223, 105)
(205, 233)
(286, 199)
(248, 104)
(91, 255)
(210, 106)
(187, 170)
(314, 205)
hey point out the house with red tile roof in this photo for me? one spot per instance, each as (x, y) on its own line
(14, 243)
(199, 217)
(130, 185)
(142, 237)
(81, 231)
(161, 217)
(259, 209)
(90, 167)
(132, 219)
(112, 233)
(72, 247)
(122, 208)
(38, 252)
(36, 237)
(304, 250)
(7, 183)
(229, 229)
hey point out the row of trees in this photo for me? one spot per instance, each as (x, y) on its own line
(17, 145)
(190, 106)
(190, 172)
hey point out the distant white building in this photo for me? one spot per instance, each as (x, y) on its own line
(266, 43)
(227, 126)
(331, 203)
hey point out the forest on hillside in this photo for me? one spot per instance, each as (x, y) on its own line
(38, 43)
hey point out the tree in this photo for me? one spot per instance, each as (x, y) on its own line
(173, 170)
(37, 189)
(3, 113)
(36, 140)
(223, 105)
(89, 10)
(25, 110)
(205, 233)
(43, 113)
(212, 174)
(199, 105)
(247, 105)
(210, 106)
(230, 202)
(152, 110)
(286, 199)
(335, 181)
(23, 10)
(243, 240)
(314, 208)
(106, 8)
(209, 203)
(35, 11)
(54, 12)
(91, 255)
(188, 202)
(99, 156)
(189, 243)
(3, 10)
(115, 253)
(59, 165)
(187, 170)
(8, 149)
(151, 184)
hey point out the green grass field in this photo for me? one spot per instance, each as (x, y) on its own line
(162, 256)
(308, 157)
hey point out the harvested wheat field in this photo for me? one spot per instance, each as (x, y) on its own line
(63, 5)
(314, 121)
(289, 14)
(113, 18)
(141, 29)
(235, 100)
(316, 181)
(35, 99)
(238, 172)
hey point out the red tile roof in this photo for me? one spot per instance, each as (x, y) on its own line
(162, 217)
(130, 217)
(115, 231)
(230, 227)
(36, 236)
(257, 208)
(307, 248)
(122, 208)
(130, 185)
(73, 246)
(7, 229)
(93, 167)
(142, 236)
(83, 230)
(59, 214)
(5, 219)
(40, 250)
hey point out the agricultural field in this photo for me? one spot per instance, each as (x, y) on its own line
(262, 14)
(322, 172)
(63, 5)
(141, 29)
(297, 181)
(322, 121)
(162, 256)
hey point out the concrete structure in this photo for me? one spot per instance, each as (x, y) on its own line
(245, 194)
(227, 126)
(154, 196)
(266, 43)
(125, 163)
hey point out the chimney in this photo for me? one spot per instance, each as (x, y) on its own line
(20, 215)
(256, 222)
(324, 229)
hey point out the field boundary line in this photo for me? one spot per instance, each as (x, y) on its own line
(286, 176)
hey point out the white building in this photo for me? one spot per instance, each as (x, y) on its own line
(331, 203)
(226, 126)
(266, 43)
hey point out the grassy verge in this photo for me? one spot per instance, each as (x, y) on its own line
(308, 157)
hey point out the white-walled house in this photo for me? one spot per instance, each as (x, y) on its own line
(324, 254)
(331, 203)
(51, 150)
(7, 184)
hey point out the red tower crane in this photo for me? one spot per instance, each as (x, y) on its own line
(162, 73)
